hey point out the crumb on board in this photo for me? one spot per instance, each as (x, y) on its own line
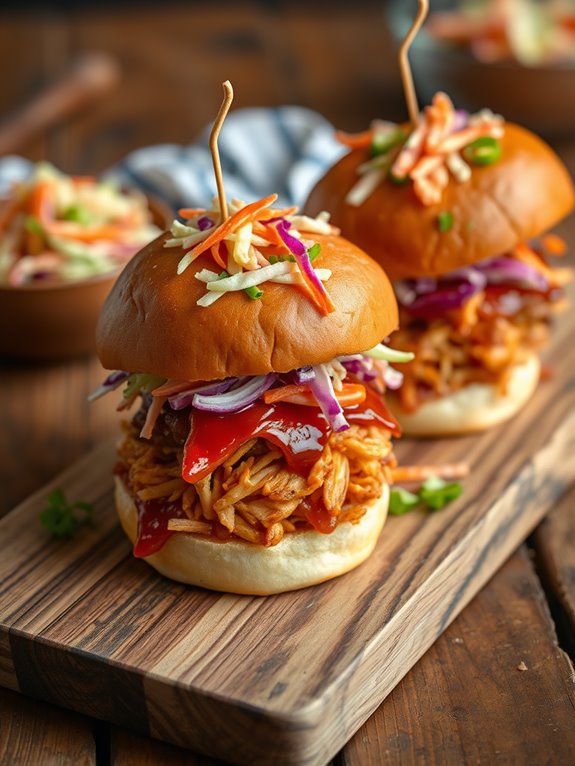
(522, 666)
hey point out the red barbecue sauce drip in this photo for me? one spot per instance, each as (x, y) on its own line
(301, 433)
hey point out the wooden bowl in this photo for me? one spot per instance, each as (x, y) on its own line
(538, 97)
(58, 320)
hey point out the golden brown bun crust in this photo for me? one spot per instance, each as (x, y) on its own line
(474, 408)
(299, 560)
(527, 191)
(150, 321)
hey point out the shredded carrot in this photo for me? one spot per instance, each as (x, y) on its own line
(171, 387)
(190, 212)
(265, 215)
(426, 165)
(441, 115)
(278, 394)
(554, 245)
(410, 152)
(469, 310)
(462, 138)
(151, 416)
(215, 251)
(416, 473)
(271, 234)
(555, 277)
(83, 233)
(351, 393)
(355, 140)
(320, 296)
(242, 216)
(39, 202)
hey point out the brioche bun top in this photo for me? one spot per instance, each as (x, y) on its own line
(150, 321)
(515, 198)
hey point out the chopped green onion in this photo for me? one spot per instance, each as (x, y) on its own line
(253, 292)
(141, 381)
(77, 214)
(434, 494)
(401, 501)
(63, 518)
(398, 180)
(389, 354)
(382, 142)
(223, 275)
(483, 151)
(281, 259)
(445, 220)
(313, 252)
(33, 225)
(437, 493)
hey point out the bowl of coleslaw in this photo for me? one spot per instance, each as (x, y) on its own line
(63, 242)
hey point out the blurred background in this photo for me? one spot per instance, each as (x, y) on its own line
(161, 66)
(171, 58)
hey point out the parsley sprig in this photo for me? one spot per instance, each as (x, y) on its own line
(63, 518)
(433, 495)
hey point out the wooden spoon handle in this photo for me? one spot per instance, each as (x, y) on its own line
(89, 78)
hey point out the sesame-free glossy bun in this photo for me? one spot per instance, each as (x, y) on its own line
(521, 195)
(151, 323)
(299, 560)
(476, 407)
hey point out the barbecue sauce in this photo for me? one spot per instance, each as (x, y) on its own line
(300, 432)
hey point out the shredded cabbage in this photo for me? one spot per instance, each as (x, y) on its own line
(389, 354)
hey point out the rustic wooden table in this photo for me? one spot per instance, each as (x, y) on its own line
(468, 699)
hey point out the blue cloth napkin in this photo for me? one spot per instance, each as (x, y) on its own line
(283, 150)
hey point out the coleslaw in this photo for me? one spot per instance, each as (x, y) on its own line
(56, 227)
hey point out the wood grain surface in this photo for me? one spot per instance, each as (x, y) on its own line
(476, 701)
(33, 733)
(555, 545)
(90, 628)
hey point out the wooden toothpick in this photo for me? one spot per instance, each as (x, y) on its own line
(224, 109)
(404, 67)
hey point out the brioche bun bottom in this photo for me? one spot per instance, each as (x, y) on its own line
(299, 560)
(476, 407)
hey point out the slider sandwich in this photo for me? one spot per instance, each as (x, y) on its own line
(260, 454)
(456, 207)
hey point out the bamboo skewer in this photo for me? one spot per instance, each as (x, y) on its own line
(221, 116)
(405, 69)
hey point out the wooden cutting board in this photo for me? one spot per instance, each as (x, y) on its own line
(270, 680)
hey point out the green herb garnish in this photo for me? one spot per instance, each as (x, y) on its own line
(141, 381)
(281, 259)
(253, 292)
(433, 495)
(401, 501)
(398, 180)
(33, 225)
(437, 493)
(77, 214)
(483, 151)
(63, 518)
(445, 220)
(314, 251)
(382, 142)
